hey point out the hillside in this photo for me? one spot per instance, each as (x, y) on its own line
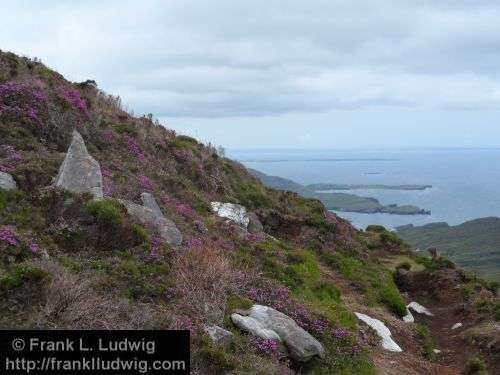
(474, 245)
(110, 221)
(344, 201)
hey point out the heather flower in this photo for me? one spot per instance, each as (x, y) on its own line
(33, 247)
(156, 244)
(109, 136)
(134, 148)
(73, 97)
(223, 244)
(280, 299)
(194, 243)
(9, 158)
(22, 100)
(8, 235)
(185, 322)
(339, 333)
(255, 237)
(264, 346)
(180, 208)
(146, 183)
(107, 181)
(182, 154)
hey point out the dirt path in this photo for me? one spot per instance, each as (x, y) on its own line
(410, 361)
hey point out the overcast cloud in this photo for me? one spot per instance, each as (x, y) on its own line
(194, 61)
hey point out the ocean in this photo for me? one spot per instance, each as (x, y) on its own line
(465, 182)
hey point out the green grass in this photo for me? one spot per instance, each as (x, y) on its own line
(374, 279)
(393, 261)
(426, 340)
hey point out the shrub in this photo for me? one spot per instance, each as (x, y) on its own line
(18, 275)
(475, 365)
(204, 279)
(376, 228)
(106, 211)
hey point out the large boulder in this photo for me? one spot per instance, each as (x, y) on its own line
(151, 215)
(80, 172)
(7, 182)
(268, 323)
(232, 211)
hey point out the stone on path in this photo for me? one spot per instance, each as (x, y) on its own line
(456, 325)
(382, 331)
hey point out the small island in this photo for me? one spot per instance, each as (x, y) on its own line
(325, 187)
(344, 201)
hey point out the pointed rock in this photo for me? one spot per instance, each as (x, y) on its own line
(7, 182)
(151, 215)
(80, 172)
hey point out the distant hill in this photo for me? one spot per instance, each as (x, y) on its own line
(340, 201)
(474, 244)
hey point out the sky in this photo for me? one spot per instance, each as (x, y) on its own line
(282, 74)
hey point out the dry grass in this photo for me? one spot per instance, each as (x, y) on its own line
(204, 279)
(70, 302)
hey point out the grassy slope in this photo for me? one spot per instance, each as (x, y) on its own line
(474, 244)
(107, 271)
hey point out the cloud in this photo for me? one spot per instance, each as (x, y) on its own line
(206, 59)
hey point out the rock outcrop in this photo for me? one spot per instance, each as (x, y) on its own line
(239, 215)
(268, 323)
(232, 211)
(150, 215)
(80, 172)
(382, 331)
(7, 182)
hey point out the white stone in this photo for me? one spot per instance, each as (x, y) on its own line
(437, 351)
(233, 212)
(456, 325)
(418, 308)
(7, 182)
(408, 318)
(383, 332)
(268, 323)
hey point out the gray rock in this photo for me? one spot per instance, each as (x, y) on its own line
(232, 211)
(153, 217)
(7, 182)
(219, 336)
(80, 172)
(254, 224)
(150, 202)
(268, 323)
